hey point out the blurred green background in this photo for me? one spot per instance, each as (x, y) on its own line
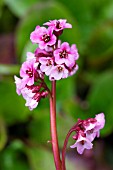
(24, 134)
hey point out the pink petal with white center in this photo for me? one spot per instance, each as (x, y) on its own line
(46, 69)
(100, 120)
(42, 45)
(70, 62)
(34, 37)
(90, 135)
(59, 43)
(74, 70)
(43, 60)
(90, 126)
(52, 40)
(81, 144)
(67, 25)
(74, 51)
(30, 56)
(27, 93)
(65, 73)
(58, 25)
(65, 46)
(30, 81)
(37, 27)
(60, 60)
(48, 72)
(31, 103)
(55, 75)
(47, 23)
(27, 71)
(46, 65)
(97, 134)
(20, 84)
(58, 72)
(36, 65)
(62, 21)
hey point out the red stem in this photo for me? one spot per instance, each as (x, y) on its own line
(65, 145)
(54, 137)
(64, 149)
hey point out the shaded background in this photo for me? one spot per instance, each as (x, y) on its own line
(24, 134)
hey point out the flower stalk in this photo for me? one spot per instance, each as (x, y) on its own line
(64, 149)
(54, 137)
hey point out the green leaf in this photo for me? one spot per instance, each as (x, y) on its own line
(3, 134)
(41, 122)
(20, 7)
(107, 11)
(13, 157)
(41, 158)
(9, 69)
(100, 99)
(77, 8)
(12, 106)
(46, 11)
(64, 124)
(82, 12)
(1, 6)
(29, 47)
(65, 88)
(100, 47)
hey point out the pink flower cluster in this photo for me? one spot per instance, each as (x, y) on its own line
(57, 60)
(86, 131)
(30, 74)
(52, 58)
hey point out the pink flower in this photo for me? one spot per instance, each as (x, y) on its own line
(74, 51)
(20, 84)
(99, 124)
(58, 72)
(86, 131)
(90, 135)
(66, 54)
(42, 53)
(30, 56)
(46, 65)
(44, 37)
(73, 70)
(58, 25)
(33, 95)
(93, 129)
(81, 144)
(28, 95)
(27, 71)
(100, 121)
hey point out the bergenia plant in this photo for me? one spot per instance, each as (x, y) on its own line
(57, 60)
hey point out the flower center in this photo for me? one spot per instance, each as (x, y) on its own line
(46, 38)
(60, 69)
(82, 142)
(90, 131)
(30, 73)
(49, 63)
(58, 26)
(63, 54)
